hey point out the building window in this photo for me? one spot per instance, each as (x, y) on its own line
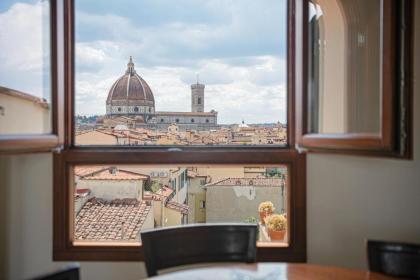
(192, 120)
(202, 204)
(207, 120)
(136, 109)
(161, 120)
(199, 101)
(119, 109)
(177, 120)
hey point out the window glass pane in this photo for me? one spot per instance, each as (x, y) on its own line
(181, 72)
(114, 203)
(344, 66)
(25, 81)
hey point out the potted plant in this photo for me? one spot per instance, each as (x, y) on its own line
(276, 225)
(265, 209)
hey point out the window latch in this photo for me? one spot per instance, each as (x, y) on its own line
(58, 149)
(300, 149)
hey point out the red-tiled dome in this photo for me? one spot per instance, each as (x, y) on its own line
(130, 90)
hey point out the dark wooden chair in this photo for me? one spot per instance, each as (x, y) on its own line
(394, 258)
(198, 243)
(70, 273)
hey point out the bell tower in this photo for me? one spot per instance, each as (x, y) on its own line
(197, 97)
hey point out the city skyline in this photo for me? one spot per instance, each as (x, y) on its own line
(238, 51)
(241, 61)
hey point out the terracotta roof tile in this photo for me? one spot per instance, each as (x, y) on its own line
(257, 182)
(107, 173)
(184, 209)
(165, 191)
(120, 219)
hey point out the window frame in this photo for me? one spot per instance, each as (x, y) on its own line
(395, 138)
(63, 206)
(29, 143)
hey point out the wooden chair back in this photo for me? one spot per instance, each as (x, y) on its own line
(394, 258)
(70, 273)
(198, 243)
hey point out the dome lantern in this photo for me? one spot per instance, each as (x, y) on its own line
(130, 67)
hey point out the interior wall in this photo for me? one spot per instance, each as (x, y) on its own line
(351, 199)
(332, 78)
(26, 210)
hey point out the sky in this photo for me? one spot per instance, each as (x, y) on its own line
(238, 48)
(24, 47)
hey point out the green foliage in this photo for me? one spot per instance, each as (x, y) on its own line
(276, 172)
(155, 186)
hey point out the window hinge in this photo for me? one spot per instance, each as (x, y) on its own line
(58, 149)
(300, 149)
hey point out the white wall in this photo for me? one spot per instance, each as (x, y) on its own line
(351, 199)
(112, 189)
(26, 212)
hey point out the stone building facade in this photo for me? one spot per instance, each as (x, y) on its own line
(130, 96)
(237, 199)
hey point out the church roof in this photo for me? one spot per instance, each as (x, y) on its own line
(131, 87)
(209, 114)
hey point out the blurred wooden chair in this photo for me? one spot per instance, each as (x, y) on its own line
(70, 273)
(394, 258)
(198, 243)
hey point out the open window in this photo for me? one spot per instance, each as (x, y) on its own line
(356, 77)
(149, 143)
(31, 93)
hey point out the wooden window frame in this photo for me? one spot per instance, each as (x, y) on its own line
(63, 215)
(25, 143)
(395, 138)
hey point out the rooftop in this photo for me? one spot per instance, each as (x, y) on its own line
(107, 173)
(25, 96)
(182, 208)
(210, 114)
(256, 182)
(120, 219)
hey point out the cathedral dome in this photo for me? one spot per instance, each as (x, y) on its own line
(130, 94)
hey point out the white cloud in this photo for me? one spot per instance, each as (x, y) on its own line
(236, 92)
(240, 82)
(24, 45)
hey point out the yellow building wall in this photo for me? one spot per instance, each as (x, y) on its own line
(21, 116)
(200, 213)
(171, 217)
(95, 138)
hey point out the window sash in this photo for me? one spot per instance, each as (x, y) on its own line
(14, 144)
(395, 137)
(65, 249)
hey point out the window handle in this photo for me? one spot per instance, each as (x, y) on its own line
(58, 149)
(300, 149)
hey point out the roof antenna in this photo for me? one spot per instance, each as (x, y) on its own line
(198, 78)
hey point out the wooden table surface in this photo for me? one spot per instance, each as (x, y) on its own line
(272, 271)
